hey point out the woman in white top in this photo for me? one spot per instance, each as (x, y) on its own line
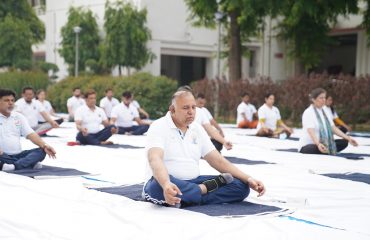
(337, 121)
(269, 120)
(318, 128)
(41, 97)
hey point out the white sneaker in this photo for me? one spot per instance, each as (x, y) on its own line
(38, 165)
(8, 167)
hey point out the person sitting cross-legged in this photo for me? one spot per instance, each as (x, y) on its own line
(270, 123)
(124, 115)
(13, 126)
(319, 129)
(175, 146)
(88, 119)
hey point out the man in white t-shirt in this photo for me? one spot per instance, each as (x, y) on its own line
(246, 113)
(175, 146)
(74, 102)
(31, 109)
(108, 102)
(13, 125)
(125, 114)
(270, 123)
(205, 118)
(142, 113)
(88, 119)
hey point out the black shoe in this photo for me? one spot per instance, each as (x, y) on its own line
(217, 182)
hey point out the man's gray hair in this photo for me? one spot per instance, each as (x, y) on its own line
(178, 94)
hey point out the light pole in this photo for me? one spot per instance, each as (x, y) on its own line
(77, 30)
(218, 16)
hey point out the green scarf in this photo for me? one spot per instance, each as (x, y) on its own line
(326, 137)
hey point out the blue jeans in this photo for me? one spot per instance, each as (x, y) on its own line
(136, 130)
(95, 138)
(24, 159)
(236, 191)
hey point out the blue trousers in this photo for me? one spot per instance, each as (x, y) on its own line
(136, 130)
(236, 191)
(95, 138)
(25, 159)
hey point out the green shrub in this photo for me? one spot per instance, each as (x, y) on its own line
(46, 66)
(16, 81)
(24, 65)
(153, 93)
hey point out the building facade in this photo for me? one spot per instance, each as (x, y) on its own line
(188, 53)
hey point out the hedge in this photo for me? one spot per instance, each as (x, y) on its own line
(16, 81)
(351, 95)
(153, 93)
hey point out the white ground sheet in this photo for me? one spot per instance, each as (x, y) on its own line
(63, 208)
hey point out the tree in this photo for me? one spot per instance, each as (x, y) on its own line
(19, 29)
(14, 41)
(306, 25)
(89, 39)
(242, 20)
(23, 11)
(126, 37)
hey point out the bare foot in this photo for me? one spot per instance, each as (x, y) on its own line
(106, 143)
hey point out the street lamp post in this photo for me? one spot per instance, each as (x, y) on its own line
(77, 30)
(218, 16)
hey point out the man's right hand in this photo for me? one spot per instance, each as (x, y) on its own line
(170, 193)
(84, 132)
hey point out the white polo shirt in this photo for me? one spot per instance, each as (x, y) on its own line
(30, 110)
(309, 120)
(48, 108)
(271, 116)
(200, 117)
(91, 119)
(125, 115)
(246, 108)
(136, 104)
(74, 103)
(207, 113)
(11, 128)
(108, 105)
(181, 152)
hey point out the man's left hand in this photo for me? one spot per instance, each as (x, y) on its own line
(49, 151)
(54, 124)
(257, 186)
(228, 145)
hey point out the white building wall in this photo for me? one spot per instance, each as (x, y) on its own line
(173, 34)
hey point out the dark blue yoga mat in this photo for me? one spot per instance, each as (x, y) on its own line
(124, 146)
(237, 160)
(357, 177)
(49, 171)
(231, 209)
(360, 134)
(351, 156)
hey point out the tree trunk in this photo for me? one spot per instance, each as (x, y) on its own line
(119, 70)
(235, 49)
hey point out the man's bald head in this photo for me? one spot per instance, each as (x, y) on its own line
(180, 94)
(183, 107)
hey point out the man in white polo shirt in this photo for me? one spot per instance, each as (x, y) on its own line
(175, 145)
(74, 102)
(88, 119)
(246, 113)
(124, 115)
(108, 102)
(31, 109)
(214, 131)
(12, 126)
